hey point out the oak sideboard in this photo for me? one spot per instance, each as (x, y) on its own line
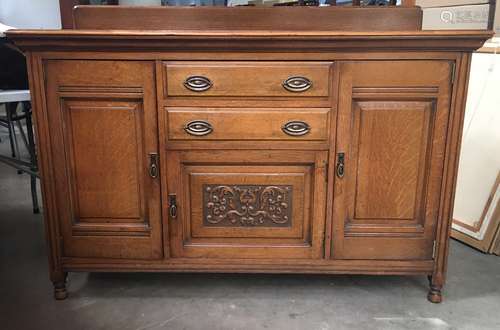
(264, 149)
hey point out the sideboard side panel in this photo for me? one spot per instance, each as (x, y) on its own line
(42, 132)
(455, 129)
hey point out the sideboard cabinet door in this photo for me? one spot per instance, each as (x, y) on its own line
(103, 131)
(251, 204)
(390, 150)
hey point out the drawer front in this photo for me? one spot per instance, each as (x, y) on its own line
(248, 79)
(248, 124)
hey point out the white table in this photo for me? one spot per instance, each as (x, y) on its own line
(11, 99)
(7, 96)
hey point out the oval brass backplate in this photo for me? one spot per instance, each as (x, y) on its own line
(198, 83)
(297, 84)
(198, 128)
(296, 128)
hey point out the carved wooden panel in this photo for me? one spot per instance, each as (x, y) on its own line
(247, 205)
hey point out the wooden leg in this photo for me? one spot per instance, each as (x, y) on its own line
(435, 296)
(60, 292)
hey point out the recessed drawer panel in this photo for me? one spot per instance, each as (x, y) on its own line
(248, 79)
(248, 124)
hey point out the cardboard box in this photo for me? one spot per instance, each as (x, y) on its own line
(449, 3)
(473, 17)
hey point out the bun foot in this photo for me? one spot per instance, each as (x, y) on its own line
(60, 292)
(435, 296)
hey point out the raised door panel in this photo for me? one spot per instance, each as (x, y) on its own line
(103, 132)
(100, 135)
(391, 141)
(247, 204)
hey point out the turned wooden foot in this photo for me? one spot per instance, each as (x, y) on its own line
(434, 296)
(60, 292)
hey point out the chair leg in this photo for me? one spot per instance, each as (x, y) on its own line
(34, 195)
(9, 129)
(11, 110)
(11, 138)
(30, 145)
(26, 107)
(23, 135)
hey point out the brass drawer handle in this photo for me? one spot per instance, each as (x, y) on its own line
(198, 83)
(198, 128)
(297, 84)
(340, 165)
(172, 206)
(296, 128)
(153, 165)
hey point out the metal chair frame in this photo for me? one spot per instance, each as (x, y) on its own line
(30, 167)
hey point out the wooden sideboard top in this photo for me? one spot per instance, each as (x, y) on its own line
(165, 40)
(106, 28)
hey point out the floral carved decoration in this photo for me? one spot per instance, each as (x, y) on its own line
(247, 205)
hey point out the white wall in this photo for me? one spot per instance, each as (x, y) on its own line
(30, 14)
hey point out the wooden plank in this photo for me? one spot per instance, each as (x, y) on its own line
(66, 10)
(255, 18)
(408, 3)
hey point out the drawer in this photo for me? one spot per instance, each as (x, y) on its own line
(248, 124)
(247, 79)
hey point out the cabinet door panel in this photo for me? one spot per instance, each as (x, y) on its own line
(389, 146)
(105, 149)
(247, 204)
(392, 131)
(102, 132)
